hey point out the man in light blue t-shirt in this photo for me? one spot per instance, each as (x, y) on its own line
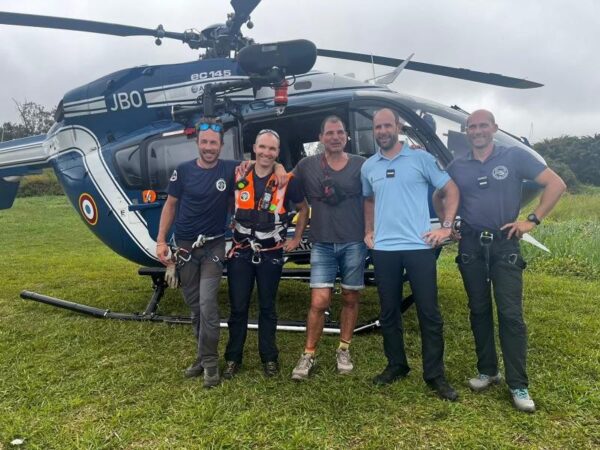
(397, 228)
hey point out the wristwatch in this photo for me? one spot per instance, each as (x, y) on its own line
(533, 218)
(447, 224)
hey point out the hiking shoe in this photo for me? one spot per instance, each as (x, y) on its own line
(522, 400)
(270, 368)
(211, 377)
(483, 381)
(344, 361)
(231, 369)
(195, 370)
(303, 368)
(388, 376)
(443, 389)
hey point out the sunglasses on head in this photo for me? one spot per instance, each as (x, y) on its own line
(217, 127)
(266, 130)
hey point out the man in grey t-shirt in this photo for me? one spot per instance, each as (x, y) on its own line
(332, 185)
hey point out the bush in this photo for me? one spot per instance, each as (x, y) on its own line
(565, 172)
(581, 154)
(39, 185)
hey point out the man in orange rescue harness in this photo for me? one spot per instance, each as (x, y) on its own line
(259, 239)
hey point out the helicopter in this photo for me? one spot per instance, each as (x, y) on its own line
(116, 140)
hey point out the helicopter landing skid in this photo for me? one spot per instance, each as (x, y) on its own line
(158, 287)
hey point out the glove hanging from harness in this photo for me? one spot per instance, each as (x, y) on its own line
(171, 276)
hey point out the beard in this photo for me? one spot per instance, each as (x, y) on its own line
(391, 142)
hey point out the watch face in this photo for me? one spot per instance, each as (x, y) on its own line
(447, 224)
(533, 218)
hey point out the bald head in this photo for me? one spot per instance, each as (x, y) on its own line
(482, 114)
(481, 127)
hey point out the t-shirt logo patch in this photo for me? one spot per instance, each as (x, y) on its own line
(221, 184)
(245, 196)
(174, 176)
(500, 172)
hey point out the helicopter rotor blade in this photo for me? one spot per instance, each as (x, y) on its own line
(463, 74)
(243, 9)
(65, 23)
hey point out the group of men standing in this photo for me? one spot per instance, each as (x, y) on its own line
(379, 204)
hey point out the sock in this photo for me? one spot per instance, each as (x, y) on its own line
(309, 351)
(344, 345)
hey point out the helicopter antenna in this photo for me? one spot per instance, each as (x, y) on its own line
(390, 77)
(531, 132)
(373, 66)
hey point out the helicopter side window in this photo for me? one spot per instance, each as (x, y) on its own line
(128, 162)
(229, 150)
(160, 156)
(163, 155)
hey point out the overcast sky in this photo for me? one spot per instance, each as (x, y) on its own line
(553, 42)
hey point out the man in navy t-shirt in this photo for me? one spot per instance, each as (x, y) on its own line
(197, 203)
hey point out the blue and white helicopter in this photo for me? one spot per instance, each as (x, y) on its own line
(117, 139)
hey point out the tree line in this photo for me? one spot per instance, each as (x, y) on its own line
(34, 119)
(575, 159)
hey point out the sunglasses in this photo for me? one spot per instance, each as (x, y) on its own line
(266, 130)
(216, 127)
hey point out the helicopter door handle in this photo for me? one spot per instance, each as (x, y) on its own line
(146, 206)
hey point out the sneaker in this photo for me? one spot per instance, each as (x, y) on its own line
(344, 361)
(211, 377)
(195, 370)
(443, 389)
(522, 400)
(270, 368)
(388, 376)
(303, 368)
(231, 369)
(483, 381)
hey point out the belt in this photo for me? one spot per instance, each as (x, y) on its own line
(468, 231)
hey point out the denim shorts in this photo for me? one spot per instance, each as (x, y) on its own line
(329, 259)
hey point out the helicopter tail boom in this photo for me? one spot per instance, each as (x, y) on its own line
(18, 158)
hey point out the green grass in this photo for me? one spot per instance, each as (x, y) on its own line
(571, 232)
(68, 381)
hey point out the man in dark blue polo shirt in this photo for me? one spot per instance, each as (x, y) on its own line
(489, 179)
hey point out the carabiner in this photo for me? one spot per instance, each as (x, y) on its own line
(486, 238)
(200, 241)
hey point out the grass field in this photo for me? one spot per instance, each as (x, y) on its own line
(68, 381)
